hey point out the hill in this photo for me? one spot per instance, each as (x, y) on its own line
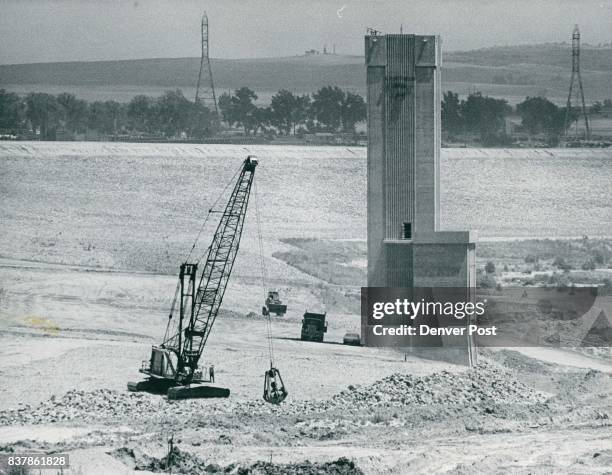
(512, 72)
(269, 74)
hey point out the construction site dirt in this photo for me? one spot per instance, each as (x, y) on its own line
(80, 311)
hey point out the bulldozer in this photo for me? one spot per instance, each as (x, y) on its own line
(274, 304)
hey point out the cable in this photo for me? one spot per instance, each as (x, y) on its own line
(263, 274)
(176, 292)
(210, 211)
(169, 335)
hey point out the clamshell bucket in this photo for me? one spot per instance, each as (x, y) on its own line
(274, 388)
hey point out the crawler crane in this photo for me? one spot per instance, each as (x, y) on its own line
(173, 366)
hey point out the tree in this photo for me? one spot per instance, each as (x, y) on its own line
(74, 111)
(301, 111)
(171, 114)
(596, 108)
(227, 109)
(239, 109)
(538, 115)
(560, 263)
(245, 110)
(262, 119)
(106, 117)
(490, 267)
(141, 113)
(12, 110)
(589, 264)
(327, 107)
(200, 123)
(283, 111)
(452, 121)
(44, 112)
(173, 111)
(486, 116)
(287, 111)
(353, 110)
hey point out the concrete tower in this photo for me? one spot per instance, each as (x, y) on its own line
(405, 245)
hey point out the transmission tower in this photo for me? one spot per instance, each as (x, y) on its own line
(205, 91)
(576, 87)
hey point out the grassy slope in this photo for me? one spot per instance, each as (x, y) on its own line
(343, 262)
(527, 70)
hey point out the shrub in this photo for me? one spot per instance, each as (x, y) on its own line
(486, 281)
(588, 265)
(541, 278)
(560, 263)
(599, 257)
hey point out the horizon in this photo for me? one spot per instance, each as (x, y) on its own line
(116, 30)
(302, 55)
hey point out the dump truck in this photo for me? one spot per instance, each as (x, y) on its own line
(313, 326)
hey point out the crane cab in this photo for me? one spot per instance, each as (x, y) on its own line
(161, 364)
(250, 163)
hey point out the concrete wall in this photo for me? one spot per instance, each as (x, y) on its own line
(404, 138)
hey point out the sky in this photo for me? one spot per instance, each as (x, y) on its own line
(90, 30)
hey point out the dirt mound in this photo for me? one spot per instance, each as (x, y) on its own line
(85, 405)
(515, 360)
(485, 384)
(342, 466)
(179, 461)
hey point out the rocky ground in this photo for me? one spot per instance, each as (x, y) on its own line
(350, 409)
(507, 394)
(92, 238)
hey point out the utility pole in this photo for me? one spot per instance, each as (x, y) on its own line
(205, 91)
(575, 88)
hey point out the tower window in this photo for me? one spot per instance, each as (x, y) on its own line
(407, 230)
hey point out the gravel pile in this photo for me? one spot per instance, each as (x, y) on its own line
(86, 406)
(125, 406)
(486, 384)
(342, 466)
(185, 463)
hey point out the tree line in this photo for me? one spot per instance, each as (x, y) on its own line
(330, 109)
(169, 115)
(485, 117)
(172, 115)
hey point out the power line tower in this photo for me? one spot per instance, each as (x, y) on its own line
(576, 88)
(205, 91)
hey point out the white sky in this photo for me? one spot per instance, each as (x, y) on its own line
(74, 30)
